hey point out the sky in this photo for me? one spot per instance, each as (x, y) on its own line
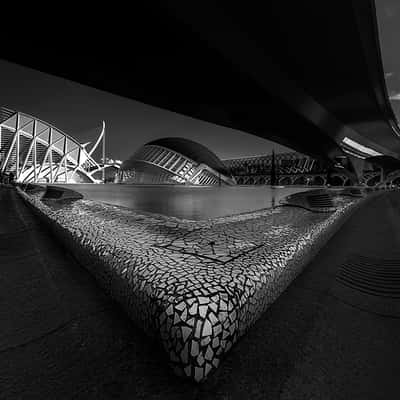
(78, 110)
(388, 13)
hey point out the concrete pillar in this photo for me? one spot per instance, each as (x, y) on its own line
(358, 164)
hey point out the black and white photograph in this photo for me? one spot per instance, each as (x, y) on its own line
(200, 200)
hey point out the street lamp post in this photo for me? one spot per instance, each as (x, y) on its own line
(104, 157)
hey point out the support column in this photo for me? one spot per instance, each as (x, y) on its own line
(104, 156)
(34, 151)
(17, 151)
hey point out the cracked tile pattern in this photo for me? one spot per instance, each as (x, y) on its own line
(195, 285)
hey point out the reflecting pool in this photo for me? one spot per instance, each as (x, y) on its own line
(189, 202)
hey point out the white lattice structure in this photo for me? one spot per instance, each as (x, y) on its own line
(34, 151)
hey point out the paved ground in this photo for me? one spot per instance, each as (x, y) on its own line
(60, 337)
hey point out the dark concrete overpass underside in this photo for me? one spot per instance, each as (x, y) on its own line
(305, 75)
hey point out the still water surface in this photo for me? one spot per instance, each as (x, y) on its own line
(195, 203)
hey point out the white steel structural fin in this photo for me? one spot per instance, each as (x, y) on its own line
(35, 151)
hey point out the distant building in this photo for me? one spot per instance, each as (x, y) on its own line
(175, 161)
(292, 168)
(285, 163)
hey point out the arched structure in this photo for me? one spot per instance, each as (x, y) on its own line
(34, 151)
(175, 161)
(286, 163)
(393, 178)
(367, 176)
(300, 180)
(374, 180)
(317, 180)
(337, 180)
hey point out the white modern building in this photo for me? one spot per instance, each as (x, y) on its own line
(175, 160)
(34, 151)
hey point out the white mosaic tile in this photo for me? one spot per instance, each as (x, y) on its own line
(195, 285)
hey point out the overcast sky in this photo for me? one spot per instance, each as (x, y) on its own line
(78, 110)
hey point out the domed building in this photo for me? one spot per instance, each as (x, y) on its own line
(175, 160)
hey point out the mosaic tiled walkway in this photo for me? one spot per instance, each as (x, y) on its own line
(197, 286)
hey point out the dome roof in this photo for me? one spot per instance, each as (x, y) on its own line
(193, 150)
(188, 148)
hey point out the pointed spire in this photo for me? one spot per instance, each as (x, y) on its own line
(102, 133)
